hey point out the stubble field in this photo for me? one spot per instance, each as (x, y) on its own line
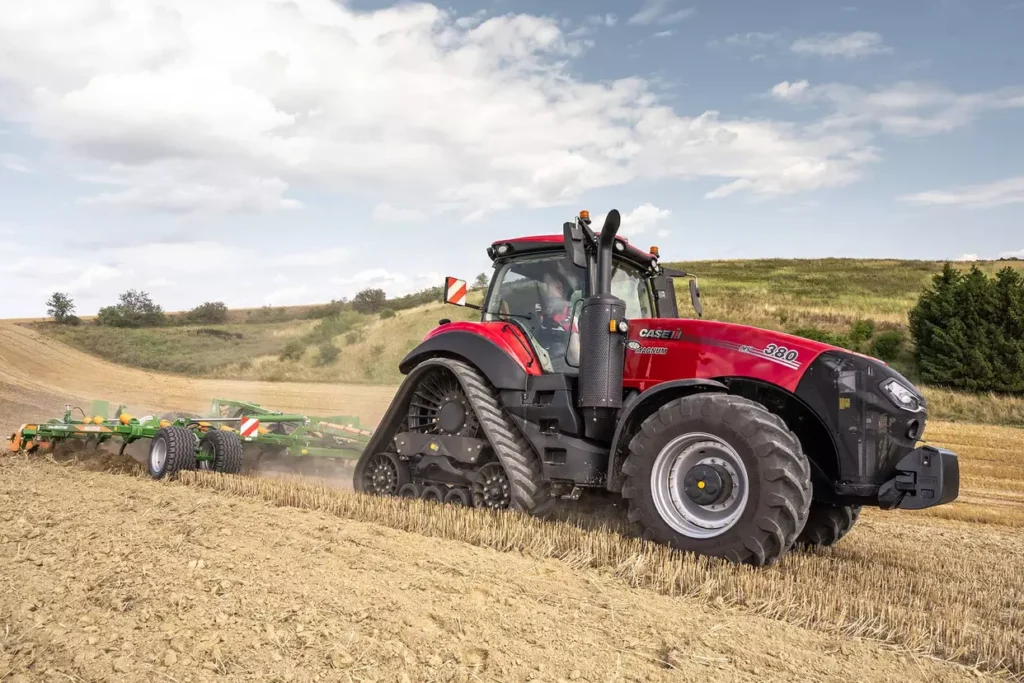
(106, 575)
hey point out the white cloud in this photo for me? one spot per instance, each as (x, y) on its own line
(602, 20)
(641, 220)
(904, 108)
(13, 162)
(660, 12)
(846, 45)
(1012, 254)
(387, 213)
(968, 257)
(287, 295)
(980, 196)
(790, 91)
(664, 34)
(395, 284)
(215, 106)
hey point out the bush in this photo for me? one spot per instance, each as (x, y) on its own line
(369, 301)
(823, 336)
(386, 314)
(327, 354)
(333, 326)
(211, 312)
(293, 350)
(861, 331)
(887, 345)
(134, 309)
(968, 330)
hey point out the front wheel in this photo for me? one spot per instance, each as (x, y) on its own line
(828, 523)
(718, 475)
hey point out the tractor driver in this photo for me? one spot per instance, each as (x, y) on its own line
(558, 307)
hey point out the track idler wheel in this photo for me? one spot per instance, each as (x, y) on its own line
(385, 475)
(491, 487)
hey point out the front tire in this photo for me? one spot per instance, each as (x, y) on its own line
(828, 523)
(718, 475)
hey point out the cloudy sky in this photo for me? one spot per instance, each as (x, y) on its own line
(291, 151)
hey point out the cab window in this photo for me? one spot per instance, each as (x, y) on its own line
(629, 284)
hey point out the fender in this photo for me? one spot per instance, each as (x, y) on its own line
(639, 406)
(503, 371)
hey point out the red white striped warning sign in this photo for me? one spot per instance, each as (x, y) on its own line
(455, 291)
(250, 425)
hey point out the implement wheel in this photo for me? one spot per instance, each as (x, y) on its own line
(170, 450)
(718, 475)
(226, 450)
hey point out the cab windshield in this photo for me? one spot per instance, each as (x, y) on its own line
(540, 295)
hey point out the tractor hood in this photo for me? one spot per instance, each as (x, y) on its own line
(663, 349)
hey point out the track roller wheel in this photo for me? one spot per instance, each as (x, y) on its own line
(410, 490)
(226, 450)
(827, 523)
(458, 496)
(170, 450)
(434, 494)
(385, 475)
(718, 475)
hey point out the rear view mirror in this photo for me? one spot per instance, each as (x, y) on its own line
(665, 293)
(695, 297)
(573, 238)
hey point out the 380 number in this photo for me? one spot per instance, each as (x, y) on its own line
(781, 352)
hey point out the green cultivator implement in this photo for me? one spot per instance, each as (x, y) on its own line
(237, 435)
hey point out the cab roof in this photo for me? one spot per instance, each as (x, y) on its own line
(539, 243)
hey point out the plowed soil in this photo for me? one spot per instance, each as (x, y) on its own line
(119, 578)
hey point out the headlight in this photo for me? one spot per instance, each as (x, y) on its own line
(901, 396)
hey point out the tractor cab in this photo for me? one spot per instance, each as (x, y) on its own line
(539, 287)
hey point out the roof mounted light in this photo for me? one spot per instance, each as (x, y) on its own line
(654, 251)
(504, 249)
(619, 246)
(585, 215)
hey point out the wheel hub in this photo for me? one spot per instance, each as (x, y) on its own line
(452, 416)
(699, 485)
(707, 484)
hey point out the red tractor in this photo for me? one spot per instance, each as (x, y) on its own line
(725, 440)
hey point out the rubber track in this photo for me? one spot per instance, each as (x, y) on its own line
(828, 523)
(786, 472)
(181, 450)
(530, 493)
(227, 450)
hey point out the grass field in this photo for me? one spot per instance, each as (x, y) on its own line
(783, 294)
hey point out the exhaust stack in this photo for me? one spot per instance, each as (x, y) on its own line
(602, 344)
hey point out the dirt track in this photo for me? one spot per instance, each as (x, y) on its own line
(32, 365)
(133, 583)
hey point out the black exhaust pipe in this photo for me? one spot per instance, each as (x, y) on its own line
(602, 346)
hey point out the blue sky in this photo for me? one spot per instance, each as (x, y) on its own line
(292, 152)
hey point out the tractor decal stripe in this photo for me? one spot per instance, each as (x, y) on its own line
(250, 426)
(742, 348)
(455, 291)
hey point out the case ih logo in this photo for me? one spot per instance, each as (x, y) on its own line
(660, 334)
